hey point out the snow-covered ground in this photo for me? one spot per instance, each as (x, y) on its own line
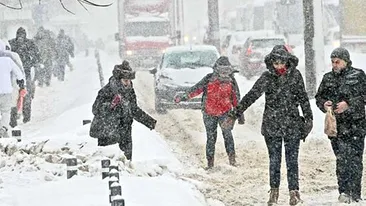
(33, 172)
(167, 166)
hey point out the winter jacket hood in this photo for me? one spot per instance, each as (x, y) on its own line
(21, 33)
(281, 52)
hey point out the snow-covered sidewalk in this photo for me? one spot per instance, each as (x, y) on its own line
(33, 171)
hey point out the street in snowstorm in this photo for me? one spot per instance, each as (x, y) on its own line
(182, 102)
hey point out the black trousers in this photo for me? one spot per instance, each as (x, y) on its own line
(125, 143)
(274, 146)
(43, 75)
(211, 123)
(349, 167)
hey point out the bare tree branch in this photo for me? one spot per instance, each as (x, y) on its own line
(82, 5)
(63, 6)
(81, 2)
(11, 7)
(94, 4)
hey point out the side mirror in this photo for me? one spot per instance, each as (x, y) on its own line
(153, 70)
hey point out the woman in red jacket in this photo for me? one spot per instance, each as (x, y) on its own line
(220, 95)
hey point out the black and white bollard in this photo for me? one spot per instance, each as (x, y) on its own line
(113, 166)
(72, 169)
(17, 134)
(110, 183)
(114, 173)
(114, 191)
(105, 168)
(118, 201)
(86, 121)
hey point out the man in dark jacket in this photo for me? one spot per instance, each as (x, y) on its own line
(114, 110)
(220, 93)
(29, 54)
(46, 46)
(64, 49)
(284, 91)
(344, 90)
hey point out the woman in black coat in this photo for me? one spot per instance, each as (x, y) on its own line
(114, 110)
(284, 91)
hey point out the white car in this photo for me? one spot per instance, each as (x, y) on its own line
(180, 68)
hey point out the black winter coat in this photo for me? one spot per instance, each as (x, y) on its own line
(108, 122)
(350, 86)
(283, 96)
(28, 52)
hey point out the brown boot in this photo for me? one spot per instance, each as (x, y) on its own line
(294, 197)
(232, 160)
(273, 196)
(210, 163)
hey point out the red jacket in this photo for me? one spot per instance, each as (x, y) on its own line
(218, 97)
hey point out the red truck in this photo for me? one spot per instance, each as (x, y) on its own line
(146, 29)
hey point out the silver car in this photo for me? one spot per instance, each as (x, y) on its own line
(179, 69)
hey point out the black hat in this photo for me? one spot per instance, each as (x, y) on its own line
(123, 71)
(341, 53)
(223, 63)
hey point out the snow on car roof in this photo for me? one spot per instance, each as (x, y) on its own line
(268, 37)
(191, 48)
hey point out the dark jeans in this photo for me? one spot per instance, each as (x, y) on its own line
(125, 143)
(211, 123)
(274, 145)
(349, 152)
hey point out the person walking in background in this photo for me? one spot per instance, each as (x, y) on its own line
(114, 110)
(220, 94)
(29, 54)
(47, 47)
(8, 68)
(344, 90)
(64, 49)
(284, 91)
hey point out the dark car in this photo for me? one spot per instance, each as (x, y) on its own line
(180, 68)
(251, 59)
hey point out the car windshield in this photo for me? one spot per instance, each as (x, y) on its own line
(190, 59)
(267, 43)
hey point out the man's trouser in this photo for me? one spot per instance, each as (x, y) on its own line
(349, 152)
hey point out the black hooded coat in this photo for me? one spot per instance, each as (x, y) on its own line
(283, 95)
(108, 122)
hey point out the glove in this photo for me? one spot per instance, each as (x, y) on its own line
(20, 83)
(152, 125)
(116, 100)
(180, 97)
(308, 126)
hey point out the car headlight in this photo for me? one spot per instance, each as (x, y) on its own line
(129, 52)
